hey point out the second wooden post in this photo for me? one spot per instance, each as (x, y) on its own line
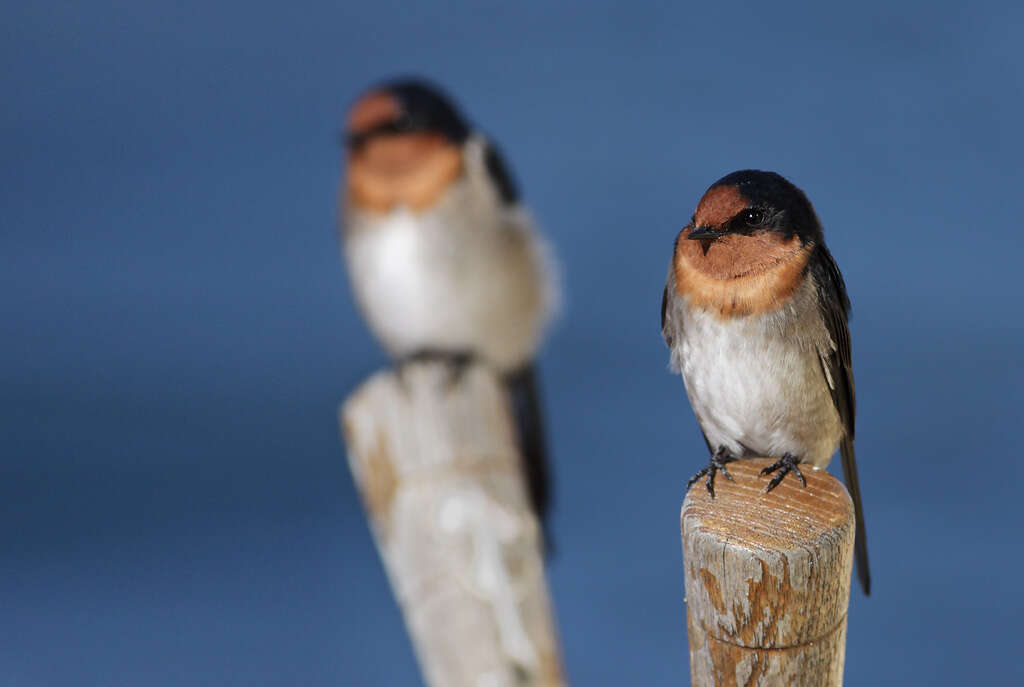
(437, 464)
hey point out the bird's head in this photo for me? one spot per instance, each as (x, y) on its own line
(748, 244)
(752, 203)
(403, 140)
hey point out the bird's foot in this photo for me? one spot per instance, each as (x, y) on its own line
(784, 465)
(457, 362)
(402, 364)
(718, 462)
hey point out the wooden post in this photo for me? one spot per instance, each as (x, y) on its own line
(767, 579)
(437, 466)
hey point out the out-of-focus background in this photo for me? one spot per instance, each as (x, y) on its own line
(178, 331)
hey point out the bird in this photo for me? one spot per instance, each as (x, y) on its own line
(755, 316)
(444, 259)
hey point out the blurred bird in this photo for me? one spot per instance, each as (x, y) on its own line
(444, 260)
(755, 315)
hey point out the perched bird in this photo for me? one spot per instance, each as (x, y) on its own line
(443, 258)
(755, 316)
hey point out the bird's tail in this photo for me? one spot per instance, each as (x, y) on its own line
(525, 395)
(860, 542)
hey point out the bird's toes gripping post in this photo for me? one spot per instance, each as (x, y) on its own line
(786, 464)
(717, 462)
(457, 363)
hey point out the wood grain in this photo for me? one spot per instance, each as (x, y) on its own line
(437, 466)
(767, 579)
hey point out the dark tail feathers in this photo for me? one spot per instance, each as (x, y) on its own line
(525, 395)
(860, 542)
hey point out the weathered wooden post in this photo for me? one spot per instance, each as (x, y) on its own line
(767, 579)
(437, 465)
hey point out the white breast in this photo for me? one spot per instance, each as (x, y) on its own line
(400, 293)
(756, 383)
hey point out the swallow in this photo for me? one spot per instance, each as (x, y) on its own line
(444, 260)
(754, 313)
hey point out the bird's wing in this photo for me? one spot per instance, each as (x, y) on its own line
(500, 174)
(837, 366)
(669, 325)
(664, 311)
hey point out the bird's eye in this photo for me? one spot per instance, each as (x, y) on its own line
(404, 122)
(752, 217)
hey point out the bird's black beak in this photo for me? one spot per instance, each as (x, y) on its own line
(706, 233)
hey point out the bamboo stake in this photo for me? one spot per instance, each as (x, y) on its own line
(767, 579)
(438, 469)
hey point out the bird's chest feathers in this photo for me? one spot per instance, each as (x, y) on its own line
(408, 263)
(422, 276)
(756, 381)
(750, 356)
(740, 275)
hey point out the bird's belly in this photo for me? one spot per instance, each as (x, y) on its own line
(411, 288)
(755, 391)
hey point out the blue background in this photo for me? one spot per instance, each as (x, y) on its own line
(178, 333)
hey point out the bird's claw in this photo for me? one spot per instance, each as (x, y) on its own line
(456, 362)
(717, 463)
(785, 465)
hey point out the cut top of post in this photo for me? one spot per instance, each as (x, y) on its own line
(789, 515)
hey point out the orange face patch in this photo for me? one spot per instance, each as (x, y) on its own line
(413, 169)
(718, 206)
(372, 110)
(739, 274)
